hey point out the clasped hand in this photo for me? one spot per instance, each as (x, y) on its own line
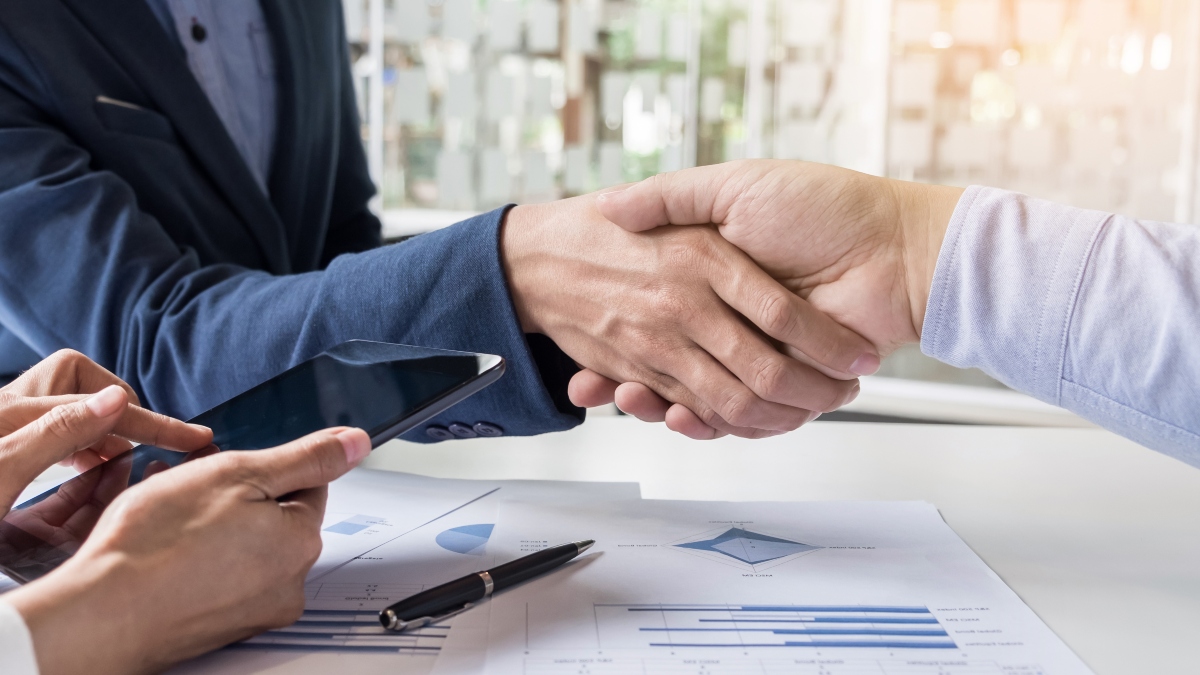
(833, 268)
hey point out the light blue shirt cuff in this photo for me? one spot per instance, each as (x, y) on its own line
(1004, 287)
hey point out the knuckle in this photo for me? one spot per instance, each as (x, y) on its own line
(738, 409)
(770, 377)
(775, 315)
(59, 422)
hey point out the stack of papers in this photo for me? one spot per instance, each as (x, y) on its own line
(708, 588)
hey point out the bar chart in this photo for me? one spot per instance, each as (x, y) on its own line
(748, 628)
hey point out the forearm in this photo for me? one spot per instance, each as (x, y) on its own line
(74, 625)
(1090, 311)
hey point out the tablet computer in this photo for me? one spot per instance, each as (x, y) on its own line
(384, 389)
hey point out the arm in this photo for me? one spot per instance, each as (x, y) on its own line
(1094, 312)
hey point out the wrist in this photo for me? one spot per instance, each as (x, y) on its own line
(925, 213)
(76, 625)
(519, 256)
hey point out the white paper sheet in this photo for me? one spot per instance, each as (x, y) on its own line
(805, 587)
(367, 509)
(340, 632)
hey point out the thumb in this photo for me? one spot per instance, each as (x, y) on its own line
(687, 197)
(59, 433)
(309, 462)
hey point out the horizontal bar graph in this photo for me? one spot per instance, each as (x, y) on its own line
(770, 626)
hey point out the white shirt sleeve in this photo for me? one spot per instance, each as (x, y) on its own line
(1095, 312)
(16, 644)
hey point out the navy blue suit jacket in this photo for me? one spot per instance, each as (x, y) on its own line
(135, 233)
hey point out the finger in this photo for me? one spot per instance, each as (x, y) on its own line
(686, 197)
(112, 446)
(770, 375)
(67, 372)
(681, 420)
(135, 424)
(61, 432)
(726, 397)
(635, 398)
(829, 346)
(144, 426)
(309, 462)
(85, 460)
(588, 389)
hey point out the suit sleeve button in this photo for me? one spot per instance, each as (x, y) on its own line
(438, 433)
(462, 431)
(488, 430)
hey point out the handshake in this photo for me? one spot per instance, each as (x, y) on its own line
(743, 298)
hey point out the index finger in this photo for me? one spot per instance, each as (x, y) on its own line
(135, 424)
(309, 462)
(67, 372)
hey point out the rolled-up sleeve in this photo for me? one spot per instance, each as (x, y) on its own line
(1094, 312)
(16, 644)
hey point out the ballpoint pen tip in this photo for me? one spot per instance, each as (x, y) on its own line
(585, 545)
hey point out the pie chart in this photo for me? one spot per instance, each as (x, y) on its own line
(465, 539)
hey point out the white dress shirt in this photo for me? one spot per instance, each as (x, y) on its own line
(16, 644)
(1097, 313)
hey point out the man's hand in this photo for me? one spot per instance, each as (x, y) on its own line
(669, 309)
(207, 553)
(860, 249)
(67, 408)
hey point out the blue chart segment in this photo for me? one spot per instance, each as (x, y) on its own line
(749, 547)
(744, 549)
(355, 524)
(770, 626)
(467, 539)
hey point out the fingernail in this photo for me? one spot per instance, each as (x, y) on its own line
(867, 364)
(356, 444)
(106, 402)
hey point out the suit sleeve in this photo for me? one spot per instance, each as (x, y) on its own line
(1095, 312)
(82, 267)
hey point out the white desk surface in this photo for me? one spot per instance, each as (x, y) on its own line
(1101, 537)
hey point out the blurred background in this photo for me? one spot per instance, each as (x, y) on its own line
(471, 104)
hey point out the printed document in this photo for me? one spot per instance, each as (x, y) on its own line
(836, 588)
(340, 631)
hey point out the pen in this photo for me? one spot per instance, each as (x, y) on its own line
(455, 597)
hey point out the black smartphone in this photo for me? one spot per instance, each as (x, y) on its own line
(385, 389)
